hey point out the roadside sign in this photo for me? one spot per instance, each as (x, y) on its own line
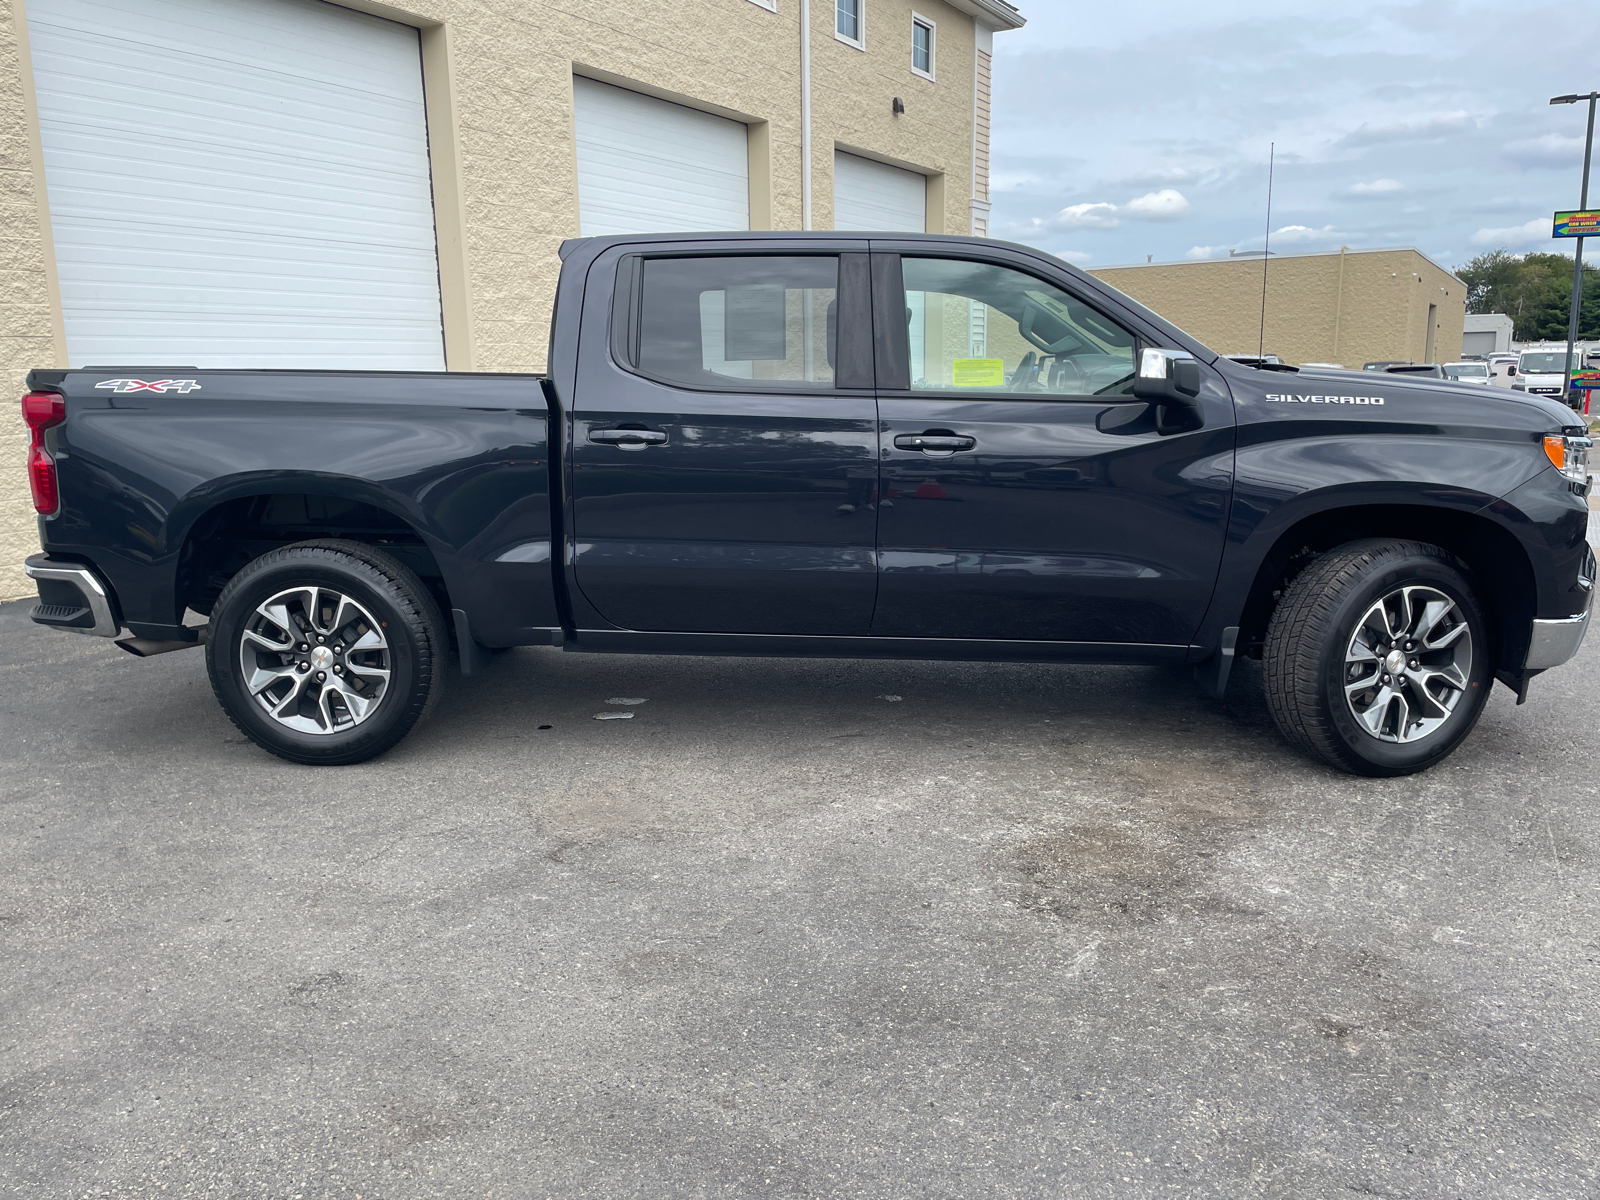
(1577, 224)
(1587, 377)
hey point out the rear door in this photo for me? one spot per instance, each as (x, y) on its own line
(1026, 494)
(724, 458)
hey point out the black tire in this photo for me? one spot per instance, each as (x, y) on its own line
(408, 622)
(1305, 673)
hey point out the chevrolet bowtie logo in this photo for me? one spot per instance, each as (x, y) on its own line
(141, 385)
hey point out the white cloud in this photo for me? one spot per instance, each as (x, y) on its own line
(1205, 252)
(1443, 125)
(1087, 216)
(1164, 205)
(1304, 233)
(1378, 187)
(1163, 172)
(1551, 150)
(1076, 257)
(1536, 230)
(1010, 181)
(1391, 96)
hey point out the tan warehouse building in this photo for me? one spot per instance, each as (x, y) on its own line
(295, 183)
(1353, 307)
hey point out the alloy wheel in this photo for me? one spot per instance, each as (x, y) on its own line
(1407, 664)
(315, 660)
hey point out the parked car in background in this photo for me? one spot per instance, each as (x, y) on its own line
(1426, 370)
(1386, 364)
(1254, 360)
(1468, 372)
(1502, 370)
(1324, 366)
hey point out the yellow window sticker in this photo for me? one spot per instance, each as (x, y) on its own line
(979, 372)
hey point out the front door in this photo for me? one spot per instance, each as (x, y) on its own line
(724, 454)
(1026, 494)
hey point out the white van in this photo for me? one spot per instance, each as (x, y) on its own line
(1542, 371)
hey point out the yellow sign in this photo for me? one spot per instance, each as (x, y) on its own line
(979, 372)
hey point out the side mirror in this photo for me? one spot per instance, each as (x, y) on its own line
(1511, 368)
(1170, 379)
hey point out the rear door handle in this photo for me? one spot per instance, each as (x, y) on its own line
(934, 443)
(630, 439)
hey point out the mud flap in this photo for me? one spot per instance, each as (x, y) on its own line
(1518, 682)
(150, 647)
(1212, 675)
(473, 656)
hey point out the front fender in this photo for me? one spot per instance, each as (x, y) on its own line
(1293, 474)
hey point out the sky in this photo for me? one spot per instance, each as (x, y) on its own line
(1143, 128)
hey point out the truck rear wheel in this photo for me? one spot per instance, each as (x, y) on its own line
(326, 652)
(1377, 660)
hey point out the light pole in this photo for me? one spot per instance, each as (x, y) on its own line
(1577, 258)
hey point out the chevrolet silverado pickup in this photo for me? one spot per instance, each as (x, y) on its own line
(822, 444)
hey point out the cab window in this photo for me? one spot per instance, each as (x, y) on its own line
(739, 321)
(980, 328)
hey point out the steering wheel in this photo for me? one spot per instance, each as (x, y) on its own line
(1027, 370)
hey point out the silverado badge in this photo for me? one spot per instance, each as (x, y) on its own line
(1290, 398)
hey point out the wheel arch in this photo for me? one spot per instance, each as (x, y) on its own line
(235, 527)
(1496, 561)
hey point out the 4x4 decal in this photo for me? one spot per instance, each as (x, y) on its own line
(159, 385)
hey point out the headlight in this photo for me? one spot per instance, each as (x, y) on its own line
(1569, 455)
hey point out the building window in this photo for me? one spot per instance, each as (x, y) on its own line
(922, 43)
(847, 22)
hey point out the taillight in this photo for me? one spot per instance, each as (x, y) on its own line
(42, 410)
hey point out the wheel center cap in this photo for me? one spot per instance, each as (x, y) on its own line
(322, 658)
(1395, 662)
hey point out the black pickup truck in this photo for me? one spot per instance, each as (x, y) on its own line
(819, 444)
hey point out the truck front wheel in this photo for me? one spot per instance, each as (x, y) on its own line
(326, 652)
(1377, 660)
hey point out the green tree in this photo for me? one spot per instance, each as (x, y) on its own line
(1534, 290)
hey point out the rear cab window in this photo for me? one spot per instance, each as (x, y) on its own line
(764, 321)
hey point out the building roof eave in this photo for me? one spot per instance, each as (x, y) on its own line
(995, 13)
(1277, 257)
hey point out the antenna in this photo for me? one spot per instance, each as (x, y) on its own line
(1266, 251)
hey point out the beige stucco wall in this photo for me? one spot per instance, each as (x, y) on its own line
(27, 326)
(1350, 308)
(499, 88)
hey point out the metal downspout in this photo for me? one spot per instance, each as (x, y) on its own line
(805, 114)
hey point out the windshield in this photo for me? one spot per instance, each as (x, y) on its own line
(1543, 363)
(1467, 371)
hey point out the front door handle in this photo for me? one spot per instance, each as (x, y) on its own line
(934, 441)
(628, 439)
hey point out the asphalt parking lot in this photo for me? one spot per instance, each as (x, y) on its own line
(1025, 931)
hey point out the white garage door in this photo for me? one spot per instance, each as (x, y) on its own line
(871, 195)
(647, 166)
(237, 183)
